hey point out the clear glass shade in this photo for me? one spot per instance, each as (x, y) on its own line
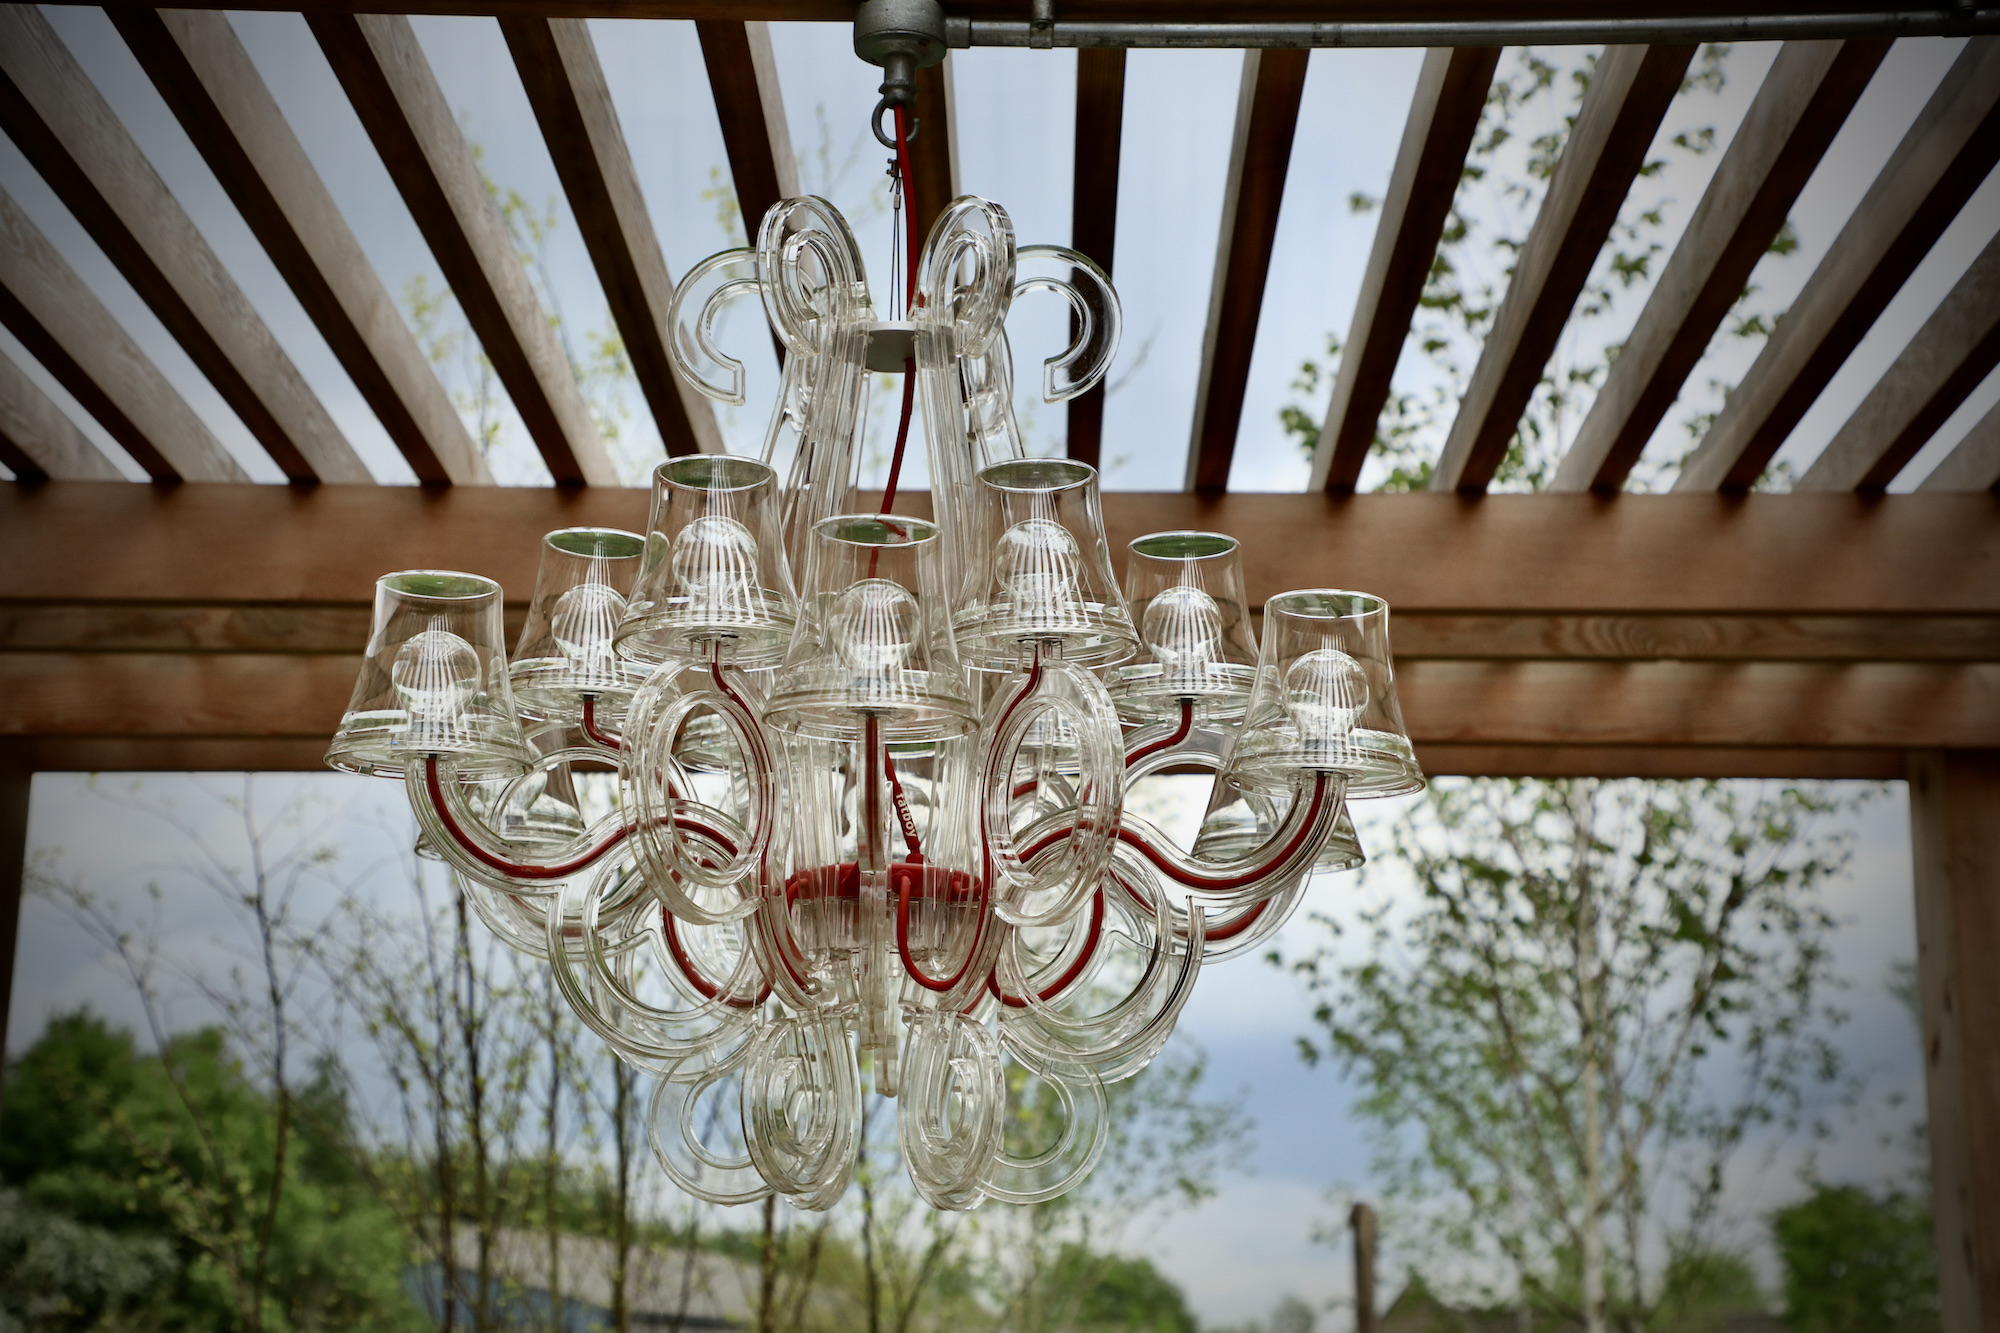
(871, 825)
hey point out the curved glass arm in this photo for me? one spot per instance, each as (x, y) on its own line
(709, 1161)
(1308, 823)
(949, 1120)
(802, 1109)
(1096, 319)
(698, 301)
(1057, 1168)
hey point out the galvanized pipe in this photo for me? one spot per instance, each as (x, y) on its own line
(1962, 21)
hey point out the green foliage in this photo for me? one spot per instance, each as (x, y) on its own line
(1123, 1294)
(171, 1157)
(1855, 1260)
(1602, 989)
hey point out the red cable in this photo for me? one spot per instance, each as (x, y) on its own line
(1075, 969)
(1166, 742)
(604, 738)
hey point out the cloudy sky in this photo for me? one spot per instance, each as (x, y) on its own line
(1238, 1253)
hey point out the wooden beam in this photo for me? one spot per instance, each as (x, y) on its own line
(1657, 761)
(1942, 364)
(382, 67)
(63, 324)
(565, 83)
(1955, 842)
(1804, 100)
(38, 442)
(1973, 463)
(1940, 162)
(305, 628)
(934, 152)
(1267, 114)
(1093, 216)
(1777, 555)
(1780, 705)
(750, 107)
(207, 78)
(1444, 114)
(68, 131)
(1629, 93)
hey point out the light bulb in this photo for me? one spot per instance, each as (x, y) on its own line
(583, 621)
(1038, 563)
(873, 625)
(1328, 689)
(1183, 627)
(436, 673)
(715, 563)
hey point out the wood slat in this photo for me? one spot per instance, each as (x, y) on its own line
(382, 67)
(315, 627)
(1803, 102)
(38, 442)
(154, 754)
(1444, 114)
(1657, 762)
(1629, 93)
(209, 81)
(750, 107)
(1093, 219)
(1942, 364)
(1735, 705)
(68, 131)
(1940, 162)
(1791, 555)
(1136, 11)
(1973, 463)
(1267, 114)
(934, 152)
(565, 84)
(63, 324)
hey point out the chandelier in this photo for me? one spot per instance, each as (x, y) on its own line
(872, 768)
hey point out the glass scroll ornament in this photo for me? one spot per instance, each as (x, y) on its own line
(872, 768)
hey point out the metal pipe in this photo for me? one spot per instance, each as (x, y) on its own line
(1961, 21)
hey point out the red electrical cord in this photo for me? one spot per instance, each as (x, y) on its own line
(1071, 973)
(604, 738)
(1166, 742)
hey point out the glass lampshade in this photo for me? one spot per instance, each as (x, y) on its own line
(873, 638)
(1047, 576)
(1325, 699)
(714, 573)
(434, 682)
(565, 654)
(1185, 590)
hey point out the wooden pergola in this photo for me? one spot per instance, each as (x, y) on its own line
(1837, 631)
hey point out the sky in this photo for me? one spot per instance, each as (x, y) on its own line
(1239, 1252)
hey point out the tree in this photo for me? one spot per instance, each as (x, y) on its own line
(1600, 990)
(1855, 1260)
(133, 1183)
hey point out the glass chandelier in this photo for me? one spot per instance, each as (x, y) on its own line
(872, 768)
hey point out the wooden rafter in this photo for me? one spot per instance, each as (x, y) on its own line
(934, 152)
(63, 126)
(1942, 364)
(565, 84)
(1630, 91)
(63, 324)
(1444, 114)
(1093, 225)
(39, 443)
(207, 78)
(1267, 114)
(1804, 100)
(382, 67)
(1940, 162)
(1974, 462)
(750, 108)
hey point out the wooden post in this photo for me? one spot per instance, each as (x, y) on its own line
(1362, 1218)
(1955, 839)
(16, 777)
